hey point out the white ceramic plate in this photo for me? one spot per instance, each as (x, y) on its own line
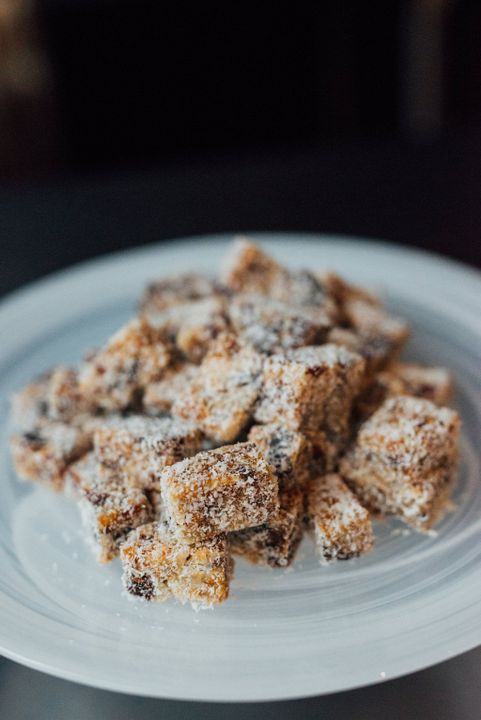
(414, 601)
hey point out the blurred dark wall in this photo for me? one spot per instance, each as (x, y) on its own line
(145, 80)
(136, 83)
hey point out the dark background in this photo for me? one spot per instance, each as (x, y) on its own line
(124, 123)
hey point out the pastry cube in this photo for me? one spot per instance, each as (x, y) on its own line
(136, 448)
(65, 401)
(287, 451)
(333, 433)
(160, 396)
(275, 542)
(404, 459)
(250, 270)
(219, 491)
(44, 453)
(221, 397)
(340, 525)
(342, 291)
(30, 405)
(373, 321)
(311, 389)
(271, 326)
(176, 290)
(376, 350)
(157, 565)
(203, 322)
(109, 507)
(295, 387)
(134, 357)
(431, 383)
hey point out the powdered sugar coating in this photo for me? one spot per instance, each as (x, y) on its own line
(221, 397)
(203, 322)
(404, 459)
(109, 506)
(136, 448)
(134, 357)
(248, 269)
(411, 434)
(311, 390)
(288, 451)
(373, 320)
(431, 383)
(175, 290)
(275, 542)
(341, 527)
(222, 490)
(30, 404)
(272, 326)
(159, 397)
(44, 453)
(157, 565)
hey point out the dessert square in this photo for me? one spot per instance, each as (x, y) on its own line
(275, 542)
(340, 525)
(136, 448)
(288, 451)
(431, 383)
(157, 565)
(373, 321)
(44, 453)
(134, 357)
(376, 350)
(220, 399)
(221, 490)
(312, 390)
(109, 507)
(272, 326)
(159, 396)
(30, 404)
(203, 321)
(249, 270)
(168, 292)
(404, 459)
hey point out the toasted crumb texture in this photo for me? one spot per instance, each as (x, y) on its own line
(176, 290)
(374, 321)
(272, 326)
(159, 396)
(137, 448)
(288, 451)
(65, 400)
(205, 321)
(377, 350)
(44, 453)
(403, 459)
(431, 383)
(30, 405)
(157, 565)
(218, 491)
(311, 390)
(340, 525)
(221, 397)
(109, 507)
(249, 270)
(134, 357)
(275, 542)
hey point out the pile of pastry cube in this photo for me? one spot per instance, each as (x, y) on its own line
(232, 415)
